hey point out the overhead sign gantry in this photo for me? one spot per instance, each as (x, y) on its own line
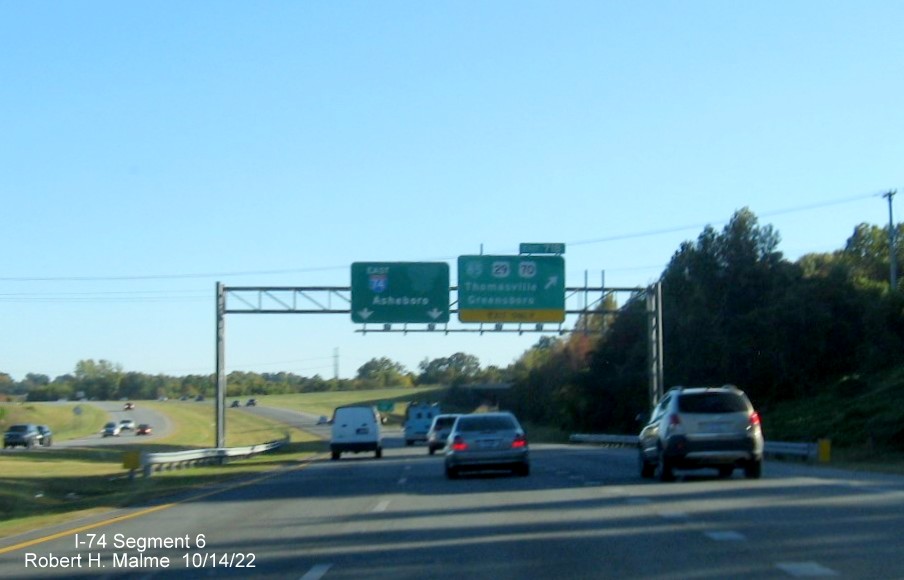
(527, 289)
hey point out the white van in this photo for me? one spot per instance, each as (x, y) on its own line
(355, 428)
(418, 418)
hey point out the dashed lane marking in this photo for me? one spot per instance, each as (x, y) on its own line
(317, 572)
(805, 569)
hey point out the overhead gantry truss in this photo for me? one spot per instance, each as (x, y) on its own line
(583, 301)
(579, 300)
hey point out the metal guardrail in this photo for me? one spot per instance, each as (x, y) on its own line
(150, 462)
(604, 439)
(805, 451)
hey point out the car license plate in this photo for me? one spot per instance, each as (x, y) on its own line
(362, 431)
(487, 444)
(715, 427)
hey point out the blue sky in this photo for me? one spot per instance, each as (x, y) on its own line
(151, 149)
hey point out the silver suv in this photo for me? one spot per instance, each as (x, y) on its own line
(692, 428)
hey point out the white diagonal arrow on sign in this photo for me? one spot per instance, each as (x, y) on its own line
(552, 281)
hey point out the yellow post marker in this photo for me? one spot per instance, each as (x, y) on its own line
(131, 459)
(824, 450)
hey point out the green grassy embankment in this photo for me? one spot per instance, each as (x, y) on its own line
(863, 417)
(42, 487)
(324, 403)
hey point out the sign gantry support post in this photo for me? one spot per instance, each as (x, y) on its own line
(654, 342)
(221, 365)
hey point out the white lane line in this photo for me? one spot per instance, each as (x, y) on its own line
(674, 515)
(725, 536)
(317, 572)
(805, 569)
(381, 507)
(403, 480)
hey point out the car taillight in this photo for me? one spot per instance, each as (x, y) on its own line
(754, 419)
(520, 442)
(458, 444)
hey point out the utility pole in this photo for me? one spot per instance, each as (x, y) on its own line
(892, 254)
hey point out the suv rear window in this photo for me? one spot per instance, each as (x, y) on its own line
(716, 402)
(444, 422)
(18, 428)
(485, 424)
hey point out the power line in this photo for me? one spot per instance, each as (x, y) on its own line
(698, 226)
(243, 273)
(164, 276)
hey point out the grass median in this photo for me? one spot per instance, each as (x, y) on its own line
(43, 487)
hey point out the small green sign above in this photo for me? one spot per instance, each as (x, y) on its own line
(525, 248)
(400, 292)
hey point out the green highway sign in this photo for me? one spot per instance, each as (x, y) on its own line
(511, 288)
(400, 292)
(525, 248)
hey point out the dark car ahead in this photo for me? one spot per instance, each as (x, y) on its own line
(111, 429)
(487, 441)
(26, 435)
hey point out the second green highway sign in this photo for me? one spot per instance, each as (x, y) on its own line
(511, 288)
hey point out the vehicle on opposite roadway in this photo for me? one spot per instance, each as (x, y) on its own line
(46, 435)
(355, 428)
(487, 441)
(693, 428)
(235, 404)
(111, 429)
(439, 431)
(25, 435)
(127, 425)
(143, 429)
(418, 417)
(250, 403)
(128, 406)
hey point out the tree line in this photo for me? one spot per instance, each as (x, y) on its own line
(735, 311)
(106, 380)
